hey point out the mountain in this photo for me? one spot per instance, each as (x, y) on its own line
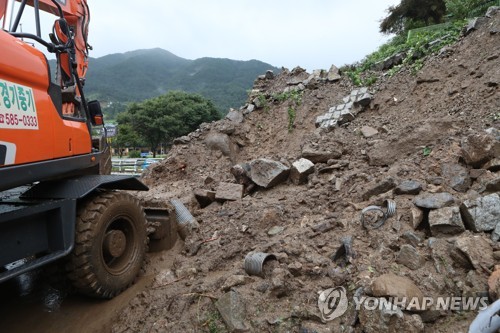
(142, 74)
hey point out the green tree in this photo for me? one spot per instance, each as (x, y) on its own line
(410, 14)
(161, 119)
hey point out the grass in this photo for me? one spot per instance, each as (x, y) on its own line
(294, 99)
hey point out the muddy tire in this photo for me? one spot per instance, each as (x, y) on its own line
(110, 244)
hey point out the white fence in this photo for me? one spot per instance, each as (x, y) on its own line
(132, 165)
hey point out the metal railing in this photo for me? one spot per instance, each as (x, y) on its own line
(132, 165)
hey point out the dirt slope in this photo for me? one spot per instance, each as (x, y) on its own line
(422, 122)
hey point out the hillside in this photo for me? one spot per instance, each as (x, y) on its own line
(142, 74)
(429, 142)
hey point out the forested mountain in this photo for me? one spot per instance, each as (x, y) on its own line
(142, 74)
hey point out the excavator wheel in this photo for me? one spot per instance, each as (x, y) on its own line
(110, 244)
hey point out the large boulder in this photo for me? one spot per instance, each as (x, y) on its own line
(482, 214)
(268, 173)
(478, 149)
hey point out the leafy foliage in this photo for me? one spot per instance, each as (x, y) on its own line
(462, 9)
(161, 119)
(411, 14)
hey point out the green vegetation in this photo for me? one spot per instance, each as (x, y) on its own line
(462, 9)
(294, 99)
(427, 151)
(159, 120)
(143, 74)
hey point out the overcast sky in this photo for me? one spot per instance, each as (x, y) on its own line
(311, 33)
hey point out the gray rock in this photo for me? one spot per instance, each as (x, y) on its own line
(233, 311)
(474, 24)
(368, 131)
(478, 149)
(276, 230)
(493, 165)
(481, 214)
(269, 75)
(250, 109)
(229, 192)
(493, 185)
(268, 173)
(364, 99)
(492, 11)
(477, 250)
(411, 187)
(257, 102)
(411, 238)
(409, 257)
(182, 140)
(222, 142)
(333, 74)
(457, 177)
(235, 116)
(434, 200)
(378, 187)
(300, 170)
(321, 156)
(446, 221)
(389, 318)
(495, 235)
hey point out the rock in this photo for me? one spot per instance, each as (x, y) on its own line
(323, 227)
(411, 238)
(396, 286)
(300, 170)
(258, 102)
(235, 116)
(478, 149)
(474, 24)
(222, 142)
(321, 156)
(268, 173)
(389, 319)
(269, 75)
(409, 257)
(232, 310)
(368, 131)
(295, 268)
(494, 283)
(183, 140)
(493, 165)
(446, 221)
(204, 197)
(434, 200)
(457, 176)
(234, 281)
(276, 230)
(416, 217)
(229, 192)
(378, 187)
(492, 11)
(482, 214)
(477, 250)
(476, 173)
(250, 108)
(333, 74)
(408, 187)
(495, 235)
(493, 185)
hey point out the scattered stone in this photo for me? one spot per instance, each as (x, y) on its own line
(229, 192)
(476, 173)
(234, 281)
(301, 169)
(416, 217)
(269, 75)
(482, 214)
(493, 165)
(477, 250)
(183, 140)
(493, 185)
(389, 318)
(410, 187)
(235, 116)
(478, 149)
(446, 221)
(276, 230)
(411, 238)
(495, 235)
(492, 11)
(221, 142)
(323, 227)
(434, 200)
(457, 176)
(232, 310)
(395, 286)
(268, 173)
(320, 156)
(333, 74)
(204, 197)
(378, 187)
(409, 257)
(250, 108)
(474, 24)
(368, 131)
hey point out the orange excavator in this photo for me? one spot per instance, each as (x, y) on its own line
(57, 198)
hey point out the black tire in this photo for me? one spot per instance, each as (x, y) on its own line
(93, 268)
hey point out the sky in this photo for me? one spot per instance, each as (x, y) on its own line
(313, 34)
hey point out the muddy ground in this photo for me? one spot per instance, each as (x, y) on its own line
(423, 122)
